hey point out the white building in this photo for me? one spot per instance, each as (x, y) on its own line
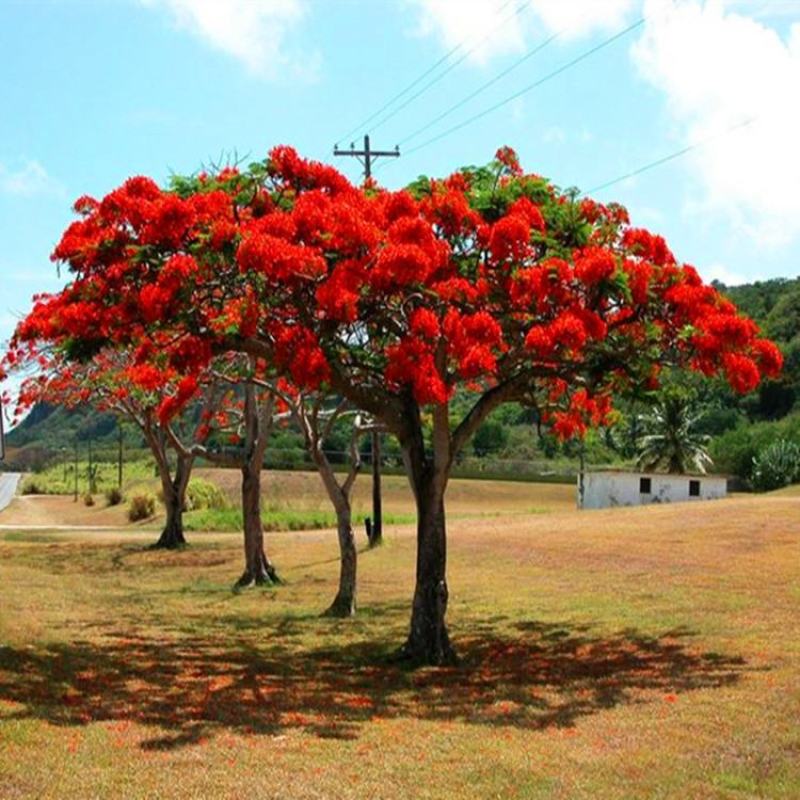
(618, 488)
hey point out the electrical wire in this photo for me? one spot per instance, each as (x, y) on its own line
(672, 156)
(408, 88)
(472, 95)
(530, 87)
(449, 69)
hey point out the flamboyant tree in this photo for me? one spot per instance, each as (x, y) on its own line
(491, 280)
(120, 381)
(316, 422)
(248, 421)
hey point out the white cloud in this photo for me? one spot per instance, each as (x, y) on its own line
(28, 178)
(555, 134)
(719, 272)
(582, 17)
(717, 69)
(484, 27)
(252, 31)
(488, 28)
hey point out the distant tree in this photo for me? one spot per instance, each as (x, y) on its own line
(490, 437)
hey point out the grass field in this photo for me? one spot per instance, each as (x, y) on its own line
(637, 653)
(293, 500)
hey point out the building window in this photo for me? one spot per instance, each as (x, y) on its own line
(694, 488)
(644, 486)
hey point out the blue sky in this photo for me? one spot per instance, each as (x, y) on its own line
(97, 90)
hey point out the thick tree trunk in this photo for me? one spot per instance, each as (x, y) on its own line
(344, 604)
(174, 490)
(258, 568)
(428, 641)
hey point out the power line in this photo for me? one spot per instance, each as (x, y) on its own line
(482, 88)
(672, 156)
(451, 67)
(413, 83)
(530, 87)
(408, 88)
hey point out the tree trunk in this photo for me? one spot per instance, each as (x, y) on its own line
(172, 536)
(174, 490)
(344, 604)
(258, 568)
(428, 641)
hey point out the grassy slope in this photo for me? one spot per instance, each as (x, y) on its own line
(632, 653)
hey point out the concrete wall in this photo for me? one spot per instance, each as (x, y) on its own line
(608, 489)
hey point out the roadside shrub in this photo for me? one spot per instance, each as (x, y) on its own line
(114, 496)
(141, 506)
(203, 494)
(88, 500)
(776, 466)
(30, 486)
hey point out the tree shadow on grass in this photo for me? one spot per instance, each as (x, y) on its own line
(193, 686)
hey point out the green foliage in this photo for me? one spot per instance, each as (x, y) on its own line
(31, 486)
(735, 451)
(783, 321)
(230, 519)
(671, 440)
(758, 299)
(203, 494)
(490, 438)
(775, 306)
(716, 421)
(141, 506)
(59, 428)
(59, 476)
(776, 466)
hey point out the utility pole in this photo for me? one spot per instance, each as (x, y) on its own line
(120, 455)
(2, 435)
(377, 510)
(375, 525)
(90, 469)
(367, 155)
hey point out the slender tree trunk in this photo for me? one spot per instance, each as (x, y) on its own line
(344, 604)
(258, 570)
(376, 534)
(428, 641)
(174, 490)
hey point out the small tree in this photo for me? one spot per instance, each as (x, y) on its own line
(121, 381)
(249, 424)
(671, 440)
(316, 425)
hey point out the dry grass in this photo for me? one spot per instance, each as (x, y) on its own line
(632, 653)
(303, 490)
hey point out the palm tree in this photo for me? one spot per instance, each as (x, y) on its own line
(671, 440)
